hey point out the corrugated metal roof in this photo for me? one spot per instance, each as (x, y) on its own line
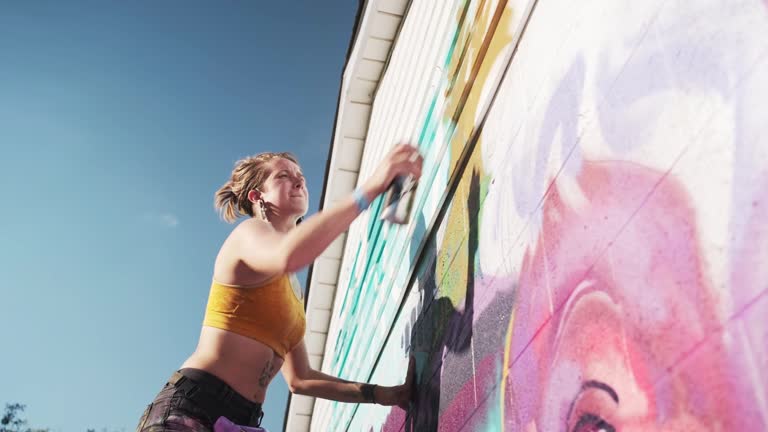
(374, 35)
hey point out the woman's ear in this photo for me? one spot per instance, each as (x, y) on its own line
(254, 196)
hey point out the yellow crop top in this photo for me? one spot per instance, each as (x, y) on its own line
(270, 313)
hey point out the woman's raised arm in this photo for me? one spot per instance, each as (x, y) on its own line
(268, 251)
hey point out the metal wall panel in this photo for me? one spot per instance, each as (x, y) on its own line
(588, 246)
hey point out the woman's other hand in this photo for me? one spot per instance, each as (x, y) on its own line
(403, 159)
(400, 395)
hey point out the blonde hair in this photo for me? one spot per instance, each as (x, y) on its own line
(231, 200)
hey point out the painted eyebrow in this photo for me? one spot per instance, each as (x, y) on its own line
(600, 386)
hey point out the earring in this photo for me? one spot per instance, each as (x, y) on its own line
(263, 209)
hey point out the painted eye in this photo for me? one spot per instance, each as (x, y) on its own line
(595, 402)
(592, 423)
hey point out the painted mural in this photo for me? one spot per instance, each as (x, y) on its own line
(591, 251)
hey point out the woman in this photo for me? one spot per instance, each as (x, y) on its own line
(254, 322)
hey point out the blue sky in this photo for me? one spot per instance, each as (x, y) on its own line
(118, 122)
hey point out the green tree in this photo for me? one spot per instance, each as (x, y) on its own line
(12, 421)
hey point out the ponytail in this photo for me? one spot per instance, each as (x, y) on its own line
(225, 202)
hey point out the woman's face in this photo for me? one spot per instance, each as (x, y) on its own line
(285, 191)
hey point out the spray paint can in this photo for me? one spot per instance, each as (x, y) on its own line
(399, 200)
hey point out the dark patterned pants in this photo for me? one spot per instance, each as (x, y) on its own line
(192, 400)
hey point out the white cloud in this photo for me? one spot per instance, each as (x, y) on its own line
(168, 220)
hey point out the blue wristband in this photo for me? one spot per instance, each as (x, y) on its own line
(360, 200)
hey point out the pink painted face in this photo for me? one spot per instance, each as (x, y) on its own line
(616, 327)
(285, 190)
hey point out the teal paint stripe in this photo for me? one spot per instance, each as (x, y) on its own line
(374, 230)
(352, 277)
(426, 140)
(427, 121)
(454, 42)
(344, 356)
(375, 252)
(376, 246)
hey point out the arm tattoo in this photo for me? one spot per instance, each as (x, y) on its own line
(266, 374)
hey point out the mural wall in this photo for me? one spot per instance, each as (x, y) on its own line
(589, 249)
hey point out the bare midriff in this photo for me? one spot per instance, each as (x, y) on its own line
(247, 365)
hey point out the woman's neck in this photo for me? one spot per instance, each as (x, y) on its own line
(283, 225)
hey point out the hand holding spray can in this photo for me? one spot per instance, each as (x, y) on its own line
(399, 199)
